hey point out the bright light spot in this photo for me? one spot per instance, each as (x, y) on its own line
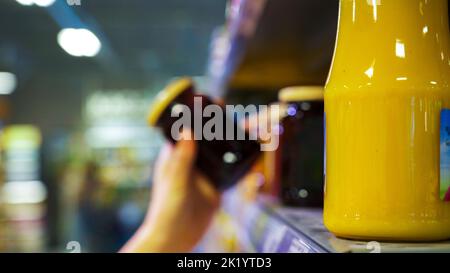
(79, 42)
(229, 157)
(374, 2)
(375, 16)
(291, 111)
(24, 192)
(354, 12)
(44, 3)
(369, 72)
(425, 30)
(433, 82)
(402, 78)
(8, 83)
(400, 49)
(303, 193)
(25, 2)
(40, 3)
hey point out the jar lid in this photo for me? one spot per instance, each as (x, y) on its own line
(301, 93)
(166, 96)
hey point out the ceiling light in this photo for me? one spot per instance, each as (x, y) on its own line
(79, 42)
(40, 3)
(44, 3)
(8, 83)
(25, 2)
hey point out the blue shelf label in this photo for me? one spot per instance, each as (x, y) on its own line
(445, 155)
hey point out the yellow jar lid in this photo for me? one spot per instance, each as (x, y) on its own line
(166, 96)
(301, 93)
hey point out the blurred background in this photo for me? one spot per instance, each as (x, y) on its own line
(77, 78)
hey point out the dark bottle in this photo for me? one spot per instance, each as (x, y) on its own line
(299, 157)
(224, 160)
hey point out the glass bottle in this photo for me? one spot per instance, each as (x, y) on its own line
(385, 98)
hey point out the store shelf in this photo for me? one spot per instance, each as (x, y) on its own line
(264, 55)
(267, 228)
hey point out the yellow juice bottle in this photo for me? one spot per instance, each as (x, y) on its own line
(385, 108)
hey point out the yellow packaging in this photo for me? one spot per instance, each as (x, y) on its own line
(387, 87)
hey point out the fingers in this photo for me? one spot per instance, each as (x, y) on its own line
(251, 185)
(219, 102)
(183, 156)
(175, 163)
(207, 190)
(162, 161)
(265, 118)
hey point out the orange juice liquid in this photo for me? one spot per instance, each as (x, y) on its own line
(388, 84)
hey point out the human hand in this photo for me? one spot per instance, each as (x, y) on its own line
(183, 203)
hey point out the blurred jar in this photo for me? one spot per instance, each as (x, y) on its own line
(298, 162)
(224, 158)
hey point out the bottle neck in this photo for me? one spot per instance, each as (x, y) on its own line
(395, 43)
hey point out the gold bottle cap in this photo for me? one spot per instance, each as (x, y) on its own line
(301, 93)
(166, 96)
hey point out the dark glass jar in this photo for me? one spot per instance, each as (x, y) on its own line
(223, 160)
(299, 157)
